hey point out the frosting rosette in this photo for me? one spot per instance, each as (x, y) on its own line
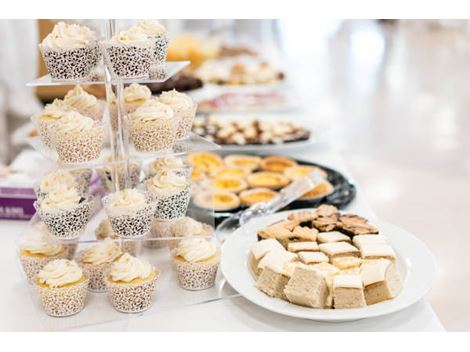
(59, 273)
(151, 28)
(41, 243)
(57, 180)
(136, 93)
(166, 182)
(61, 199)
(195, 250)
(74, 122)
(105, 252)
(131, 36)
(176, 100)
(129, 268)
(68, 36)
(78, 98)
(54, 111)
(151, 111)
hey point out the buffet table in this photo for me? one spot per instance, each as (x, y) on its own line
(232, 313)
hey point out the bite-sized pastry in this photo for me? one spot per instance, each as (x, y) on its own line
(217, 200)
(381, 280)
(303, 216)
(184, 109)
(348, 291)
(249, 162)
(197, 174)
(62, 287)
(135, 95)
(205, 161)
(320, 190)
(256, 195)
(313, 257)
(260, 249)
(326, 218)
(361, 240)
(345, 263)
(333, 236)
(230, 172)
(307, 246)
(303, 233)
(377, 251)
(273, 279)
(85, 103)
(277, 258)
(298, 171)
(339, 249)
(196, 261)
(328, 271)
(131, 283)
(70, 51)
(232, 184)
(276, 163)
(266, 179)
(356, 225)
(307, 287)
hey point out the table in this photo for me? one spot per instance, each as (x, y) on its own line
(229, 314)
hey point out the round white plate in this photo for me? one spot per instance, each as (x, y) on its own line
(415, 262)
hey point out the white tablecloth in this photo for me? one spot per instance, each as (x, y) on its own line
(233, 314)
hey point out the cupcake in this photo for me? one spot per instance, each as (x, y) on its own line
(131, 284)
(53, 181)
(188, 227)
(65, 212)
(38, 250)
(70, 51)
(135, 95)
(105, 174)
(130, 212)
(96, 262)
(153, 127)
(62, 287)
(51, 114)
(82, 177)
(86, 104)
(104, 231)
(77, 138)
(129, 54)
(168, 163)
(196, 261)
(159, 229)
(157, 33)
(183, 107)
(172, 194)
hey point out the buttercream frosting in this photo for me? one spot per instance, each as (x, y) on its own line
(151, 27)
(151, 110)
(105, 252)
(40, 242)
(176, 100)
(60, 272)
(68, 36)
(128, 268)
(74, 122)
(79, 98)
(136, 93)
(127, 198)
(56, 180)
(61, 199)
(166, 182)
(195, 250)
(130, 36)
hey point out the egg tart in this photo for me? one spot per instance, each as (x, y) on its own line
(276, 163)
(229, 171)
(265, 179)
(197, 174)
(244, 161)
(256, 195)
(204, 161)
(321, 190)
(217, 200)
(231, 184)
(299, 171)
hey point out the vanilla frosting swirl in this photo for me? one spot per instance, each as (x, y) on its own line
(40, 242)
(131, 36)
(151, 27)
(61, 199)
(128, 268)
(151, 110)
(54, 111)
(168, 162)
(56, 180)
(105, 252)
(60, 272)
(68, 36)
(166, 181)
(176, 100)
(127, 198)
(195, 250)
(136, 93)
(186, 227)
(74, 122)
(79, 98)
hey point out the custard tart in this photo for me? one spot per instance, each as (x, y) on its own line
(276, 163)
(249, 162)
(231, 184)
(204, 161)
(256, 195)
(265, 179)
(197, 174)
(295, 172)
(321, 190)
(229, 172)
(217, 200)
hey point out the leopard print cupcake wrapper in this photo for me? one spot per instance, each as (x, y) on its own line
(160, 49)
(129, 61)
(186, 121)
(155, 135)
(197, 276)
(174, 206)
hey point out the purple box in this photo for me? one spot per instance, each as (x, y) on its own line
(16, 203)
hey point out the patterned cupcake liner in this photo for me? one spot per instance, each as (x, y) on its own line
(78, 148)
(160, 49)
(132, 298)
(106, 180)
(129, 61)
(43, 131)
(186, 121)
(66, 224)
(63, 301)
(83, 177)
(196, 276)
(158, 72)
(173, 206)
(97, 274)
(159, 229)
(154, 136)
(32, 265)
(71, 64)
(207, 230)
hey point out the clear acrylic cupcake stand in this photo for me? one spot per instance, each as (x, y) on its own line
(168, 294)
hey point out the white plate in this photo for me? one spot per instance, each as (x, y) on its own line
(415, 263)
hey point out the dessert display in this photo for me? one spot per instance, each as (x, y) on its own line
(188, 227)
(184, 109)
(217, 200)
(315, 260)
(196, 261)
(131, 284)
(82, 176)
(157, 33)
(105, 231)
(62, 287)
(70, 52)
(243, 130)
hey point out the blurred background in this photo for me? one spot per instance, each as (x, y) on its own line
(390, 95)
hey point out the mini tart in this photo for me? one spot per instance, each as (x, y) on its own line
(276, 163)
(249, 162)
(197, 174)
(256, 195)
(217, 200)
(232, 184)
(266, 179)
(205, 162)
(321, 190)
(295, 172)
(230, 171)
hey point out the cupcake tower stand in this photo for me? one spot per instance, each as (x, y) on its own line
(122, 166)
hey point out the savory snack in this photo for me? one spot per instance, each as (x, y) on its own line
(184, 109)
(70, 51)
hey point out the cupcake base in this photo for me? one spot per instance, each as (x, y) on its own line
(131, 224)
(154, 136)
(159, 229)
(186, 121)
(197, 276)
(97, 276)
(79, 148)
(32, 265)
(160, 49)
(128, 61)
(173, 207)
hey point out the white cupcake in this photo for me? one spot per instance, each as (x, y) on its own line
(157, 33)
(51, 114)
(54, 181)
(171, 163)
(135, 95)
(183, 107)
(85, 103)
(188, 227)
